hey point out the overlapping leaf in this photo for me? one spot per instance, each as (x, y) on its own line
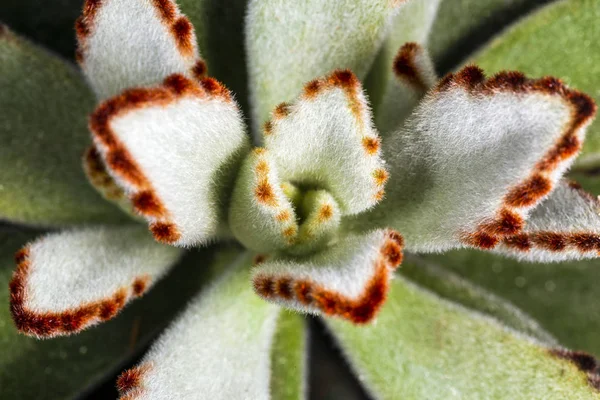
(220, 347)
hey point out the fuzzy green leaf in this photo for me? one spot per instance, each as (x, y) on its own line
(62, 368)
(562, 297)
(219, 27)
(219, 347)
(423, 347)
(290, 44)
(45, 103)
(454, 288)
(560, 40)
(288, 357)
(412, 24)
(462, 25)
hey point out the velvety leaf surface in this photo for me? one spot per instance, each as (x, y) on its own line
(61, 368)
(288, 45)
(219, 27)
(560, 40)
(423, 347)
(133, 43)
(455, 288)
(562, 297)
(450, 181)
(43, 130)
(68, 281)
(289, 357)
(219, 347)
(463, 25)
(412, 24)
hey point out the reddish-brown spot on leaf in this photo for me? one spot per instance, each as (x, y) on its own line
(147, 203)
(551, 241)
(263, 286)
(110, 307)
(325, 212)
(140, 285)
(528, 192)
(567, 147)
(303, 290)
(480, 240)
(180, 85)
(312, 88)
(199, 70)
(215, 88)
(165, 232)
(405, 66)
(507, 81)
(396, 237)
(262, 168)
(393, 253)
(470, 77)
(381, 176)
(584, 361)
(264, 193)
(371, 144)
(120, 161)
(268, 128)
(520, 242)
(167, 10)
(585, 241)
(82, 30)
(281, 111)
(344, 78)
(283, 288)
(183, 31)
(283, 216)
(130, 380)
(290, 231)
(505, 224)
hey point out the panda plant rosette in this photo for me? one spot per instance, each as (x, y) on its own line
(271, 159)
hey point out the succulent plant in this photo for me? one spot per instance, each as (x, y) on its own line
(274, 156)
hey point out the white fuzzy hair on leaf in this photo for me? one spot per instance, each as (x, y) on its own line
(174, 149)
(261, 217)
(130, 43)
(565, 226)
(477, 156)
(68, 281)
(326, 139)
(218, 348)
(413, 76)
(286, 48)
(349, 279)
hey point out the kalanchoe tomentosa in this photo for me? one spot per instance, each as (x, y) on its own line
(322, 192)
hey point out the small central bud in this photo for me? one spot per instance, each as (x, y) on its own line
(318, 216)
